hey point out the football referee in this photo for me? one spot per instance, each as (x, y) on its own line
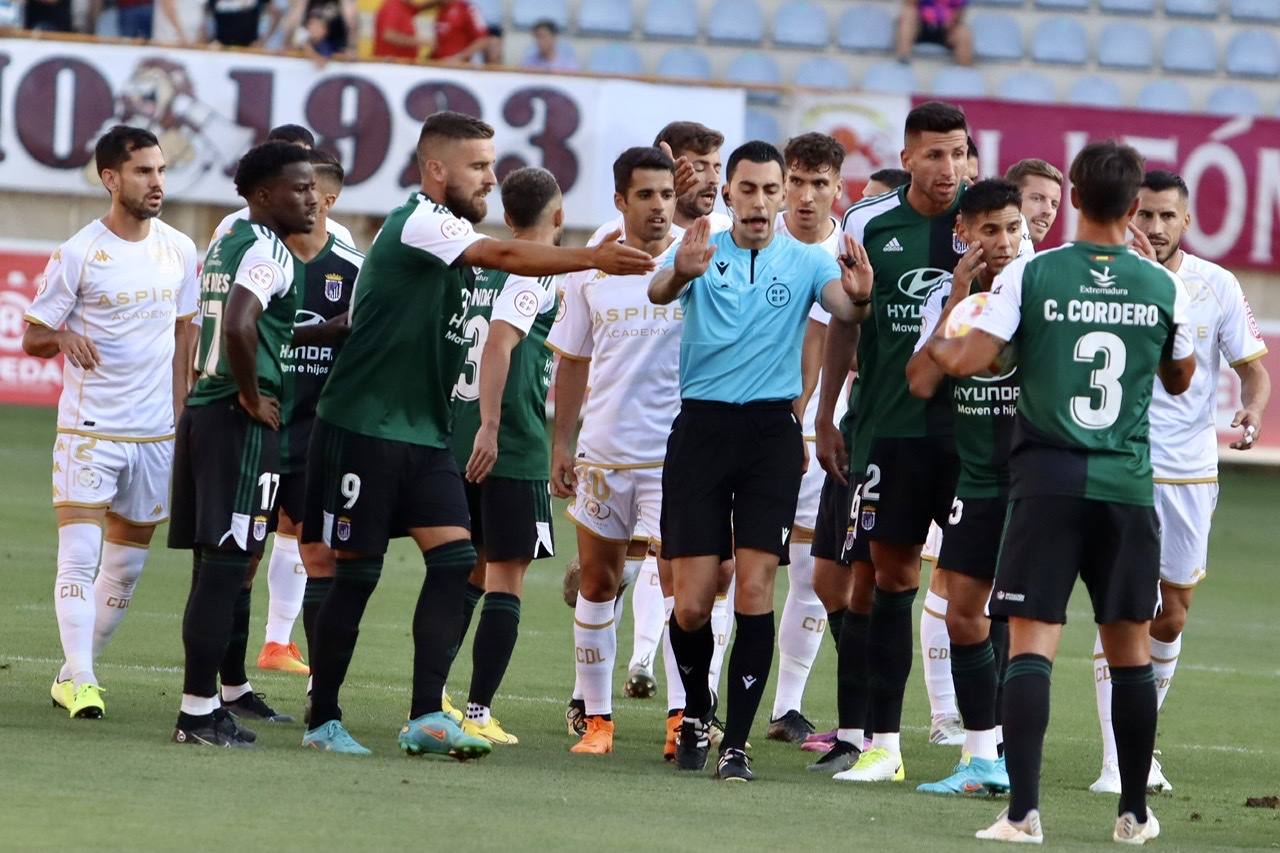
(735, 456)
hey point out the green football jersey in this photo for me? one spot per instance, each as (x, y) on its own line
(911, 255)
(528, 304)
(396, 372)
(1091, 323)
(251, 256)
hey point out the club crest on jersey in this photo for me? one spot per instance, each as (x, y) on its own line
(332, 286)
(868, 518)
(958, 245)
(259, 527)
(343, 529)
(850, 535)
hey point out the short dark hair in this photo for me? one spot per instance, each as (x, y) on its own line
(266, 161)
(1159, 180)
(327, 166)
(813, 151)
(935, 117)
(118, 144)
(1106, 176)
(891, 178)
(973, 148)
(295, 133)
(988, 196)
(755, 151)
(526, 193)
(1033, 167)
(448, 124)
(689, 137)
(546, 24)
(639, 157)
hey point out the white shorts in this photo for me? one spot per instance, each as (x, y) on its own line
(614, 503)
(810, 493)
(1185, 511)
(127, 478)
(932, 544)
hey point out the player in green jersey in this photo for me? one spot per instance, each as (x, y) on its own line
(380, 465)
(500, 438)
(226, 460)
(990, 224)
(1094, 322)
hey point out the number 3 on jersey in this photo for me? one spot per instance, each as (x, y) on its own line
(1104, 380)
(468, 386)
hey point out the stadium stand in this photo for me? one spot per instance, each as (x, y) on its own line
(801, 24)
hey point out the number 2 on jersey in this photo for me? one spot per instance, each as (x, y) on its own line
(1105, 380)
(468, 387)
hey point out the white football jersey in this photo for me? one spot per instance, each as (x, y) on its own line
(821, 315)
(1184, 440)
(634, 349)
(337, 230)
(1025, 246)
(719, 222)
(125, 297)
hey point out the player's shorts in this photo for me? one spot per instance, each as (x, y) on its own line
(833, 515)
(617, 504)
(129, 479)
(731, 479)
(293, 497)
(511, 519)
(854, 545)
(933, 542)
(1185, 511)
(226, 478)
(810, 500)
(972, 541)
(1050, 540)
(363, 491)
(908, 483)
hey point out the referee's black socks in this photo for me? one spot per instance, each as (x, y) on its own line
(336, 628)
(749, 663)
(437, 621)
(1026, 718)
(693, 651)
(890, 647)
(1133, 720)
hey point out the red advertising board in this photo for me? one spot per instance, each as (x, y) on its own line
(23, 379)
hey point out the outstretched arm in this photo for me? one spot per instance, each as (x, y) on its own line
(522, 257)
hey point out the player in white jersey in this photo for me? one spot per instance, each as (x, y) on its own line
(1040, 183)
(1184, 443)
(116, 300)
(812, 186)
(608, 331)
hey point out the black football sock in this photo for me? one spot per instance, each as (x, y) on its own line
(336, 630)
(835, 620)
(973, 670)
(999, 637)
(851, 672)
(1133, 719)
(890, 647)
(313, 595)
(1026, 719)
(437, 621)
(206, 627)
(749, 664)
(495, 641)
(232, 669)
(693, 651)
(470, 598)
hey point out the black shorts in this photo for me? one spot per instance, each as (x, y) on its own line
(225, 479)
(931, 35)
(833, 534)
(1049, 540)
(971, 537)
(293, 497)
(908, 483)
(511, 519)
(854, 546)
(731, 478)
(363, 492)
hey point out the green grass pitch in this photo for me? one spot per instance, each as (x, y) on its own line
(118, 784)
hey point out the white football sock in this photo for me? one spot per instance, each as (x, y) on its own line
(1164, 660)
(113, 589)
(198, 706)
(800, 630)
(935, 648)
(675, 687)
(79, 549)
(595, 642)
(232, 692)
(722, 631)
(891, 741)
(1102, 690)
(646, 611)
(286, 583)
(478, 714)
(857, 737)
(981, 744)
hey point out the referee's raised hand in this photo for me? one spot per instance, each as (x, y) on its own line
(694, 254)
(856, 275)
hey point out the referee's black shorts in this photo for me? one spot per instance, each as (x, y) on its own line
(731, 478)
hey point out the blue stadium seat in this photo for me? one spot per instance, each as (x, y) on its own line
(999, 2)
(526, 13)
(1031, 86)
(801, 24)
(1166, 96)
(1253, 53)
(615, 58)
(492, 11)
(1092, 91)
(761, 125)
(673, 20)
(605, 18)
(754, 67)
(1060, 41)
(1190, 49)
(1233, 99)
(892, 78)
(1125, 45)
(865, 27)
(688, 62)
(996, 36)
(823, 72)
(1062, 4)
(1267, 11)
(954, 81)
(736, 22)
(1192, 8)
(1128, 7)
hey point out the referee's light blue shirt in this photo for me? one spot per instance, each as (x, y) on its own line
(744, 319)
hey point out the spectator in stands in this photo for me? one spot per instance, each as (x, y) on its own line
(133, 17)
(394, 32)
(461, 31)
(935, 22)
(178, 22)
(238, 23)
(49, 15)
(547, 53)
(323, 27)
(493, 53)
